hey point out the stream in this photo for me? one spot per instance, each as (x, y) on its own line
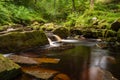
(84, 61)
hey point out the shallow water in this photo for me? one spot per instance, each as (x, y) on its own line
(83, 62)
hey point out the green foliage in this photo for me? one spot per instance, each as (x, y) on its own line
(11, 13)
(26, 11)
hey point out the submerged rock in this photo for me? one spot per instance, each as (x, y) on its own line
(44, 74)
(19, 41)
(8, 69)
(28, 60)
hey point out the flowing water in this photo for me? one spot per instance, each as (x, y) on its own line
(84, 61)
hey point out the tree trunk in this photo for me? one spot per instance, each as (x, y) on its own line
(91, 4)
(73, 5)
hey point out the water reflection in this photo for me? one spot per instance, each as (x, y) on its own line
(73, 62)
(82, 62)
(99, 65)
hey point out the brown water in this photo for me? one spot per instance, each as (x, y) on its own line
(83, 62)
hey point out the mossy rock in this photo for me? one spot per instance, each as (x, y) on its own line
(48, 27)
(35, 26)
(91, 33)
(115, 25)
(110, 33)
(76, 32)
(20, 41)
(87, 33)
(8, 69)
(62, 32)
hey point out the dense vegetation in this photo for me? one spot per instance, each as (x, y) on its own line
(68, 12)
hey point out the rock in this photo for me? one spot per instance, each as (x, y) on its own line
(44, 74)
(110, 33)
(19, 41)
(62, 32)
(61, 77)
(8, 69)
(102, 45)
(91, 33)
(115, 25)
(36, 61)
(76, 32)
(48, 27)
(35, 25)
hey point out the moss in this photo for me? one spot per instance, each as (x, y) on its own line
(62, 32)
(8, 69)
(75, 31)
(110, 33)
(35, 26)
(19, 41)
(48, 27)
(91, 33)
(104, 25)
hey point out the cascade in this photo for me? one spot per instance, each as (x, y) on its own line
(57, 38)
(54, 40)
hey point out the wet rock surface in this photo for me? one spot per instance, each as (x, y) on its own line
(44, 74)
(36, 61)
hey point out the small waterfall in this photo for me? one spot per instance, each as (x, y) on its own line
(53, 43)
(53, 39)
(50, 42)
(57, 37)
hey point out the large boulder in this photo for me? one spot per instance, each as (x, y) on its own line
(62, 32)
(19, 41)
(8, 69)
(75, 31)
(91, 33)
(115, 25)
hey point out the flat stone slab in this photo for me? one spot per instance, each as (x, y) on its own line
(38, 72)
(44, 74)
(28, 60)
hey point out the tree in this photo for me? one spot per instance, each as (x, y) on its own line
(91, 4)
(73, 5)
